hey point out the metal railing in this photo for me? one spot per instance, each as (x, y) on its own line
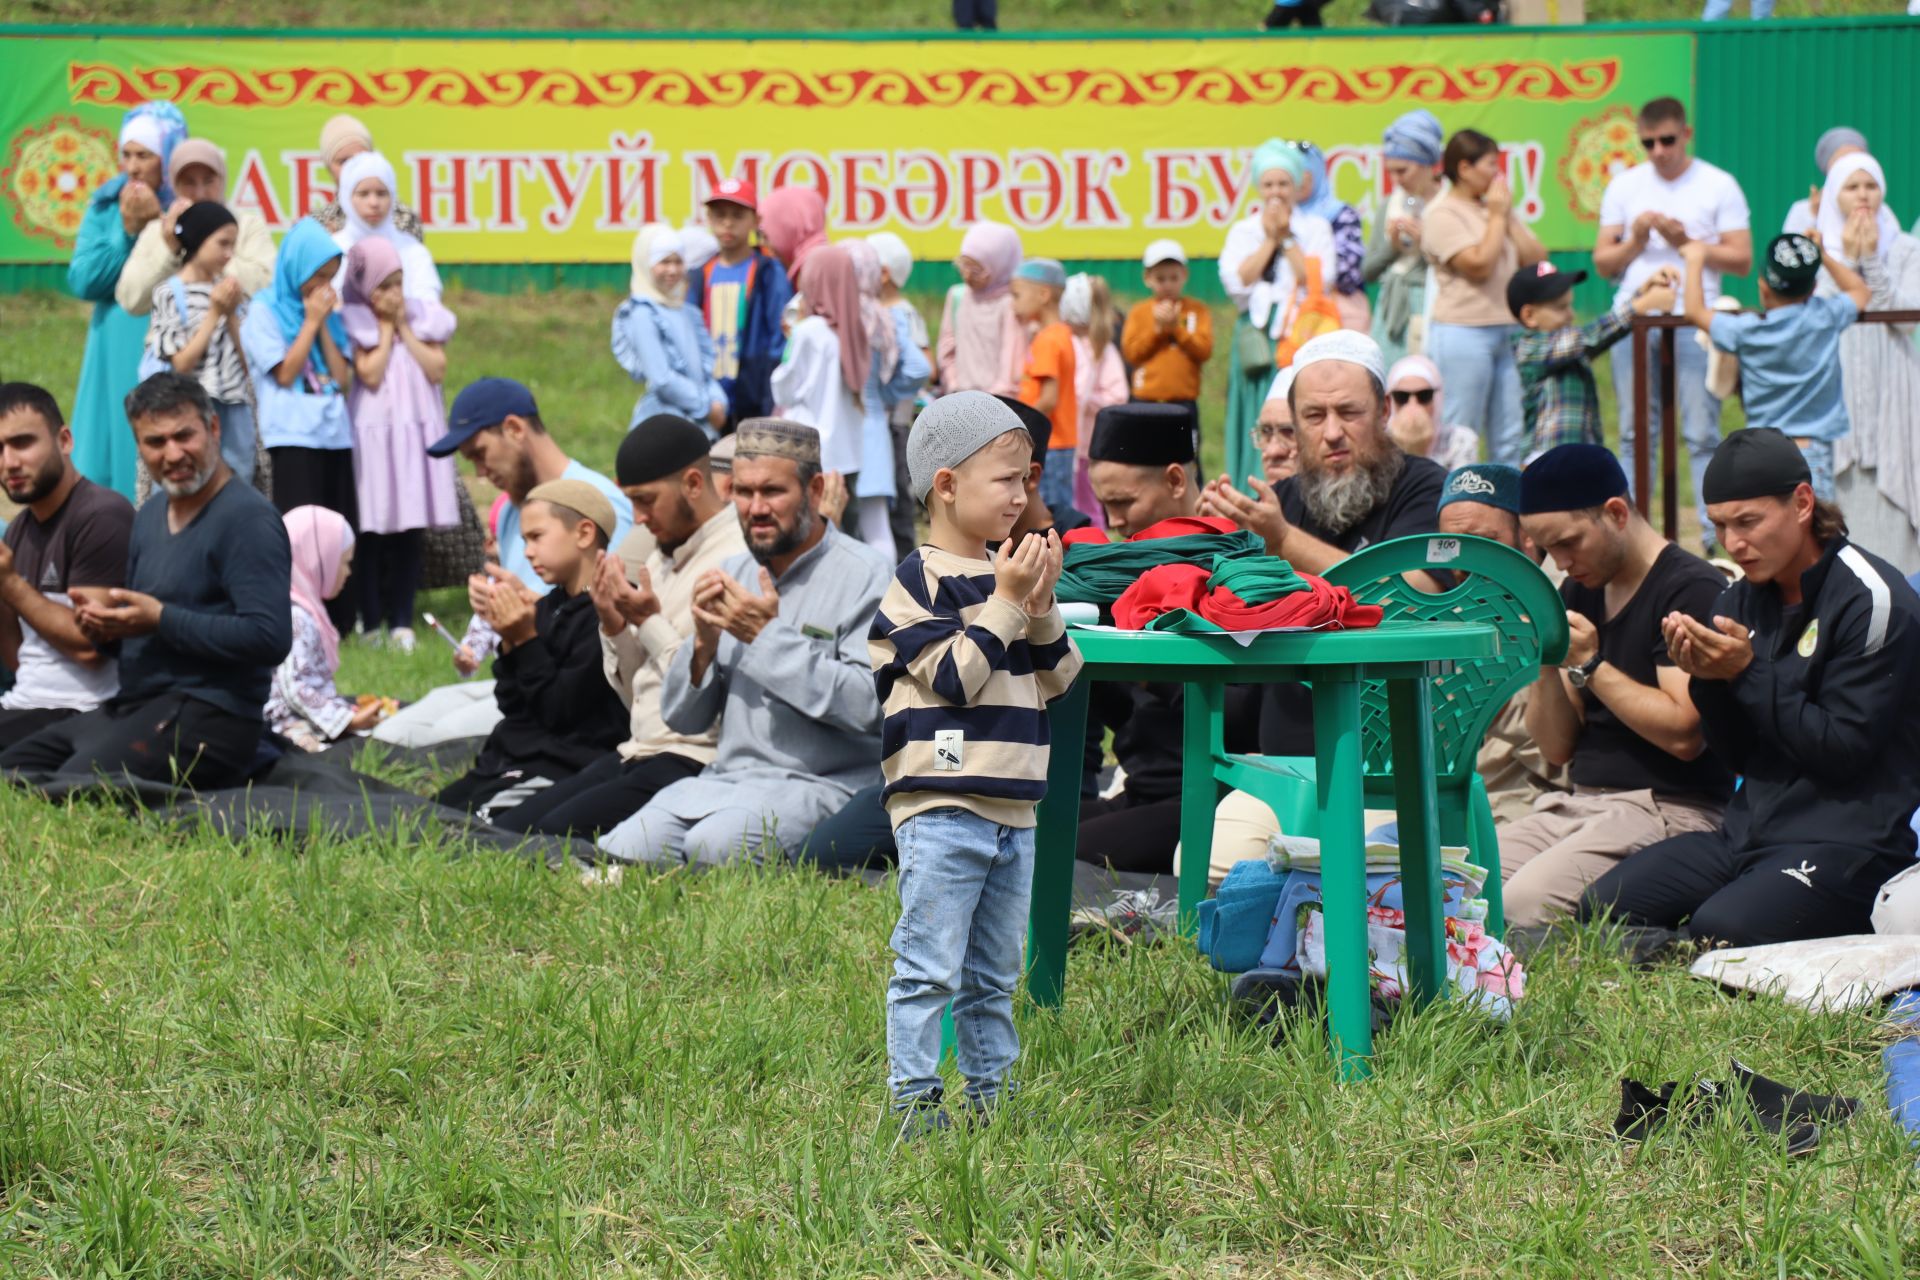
(1669, 411)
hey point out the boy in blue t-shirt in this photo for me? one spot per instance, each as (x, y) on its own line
(1790, 355)
(741, 293)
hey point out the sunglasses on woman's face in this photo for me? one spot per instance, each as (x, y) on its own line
(1661, 140)
(1400, 398)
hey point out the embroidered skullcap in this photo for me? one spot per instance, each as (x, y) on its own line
(777, 438)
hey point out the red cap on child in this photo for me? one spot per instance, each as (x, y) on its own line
(733, 191)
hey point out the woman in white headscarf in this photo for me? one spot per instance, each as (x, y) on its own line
(662, 342)
(369, 193)
(1877, 463)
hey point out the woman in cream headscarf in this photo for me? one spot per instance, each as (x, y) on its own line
(116, 216)
(662, 342)
(1877, 463)
(341, 139)
(198, 171)
(1261, 268)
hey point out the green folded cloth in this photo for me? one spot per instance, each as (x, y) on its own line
(1255, 579)
(1098, 573)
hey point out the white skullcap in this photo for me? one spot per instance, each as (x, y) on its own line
(1282, 383)
(666, 244)
(894, 256)
(1348, 347)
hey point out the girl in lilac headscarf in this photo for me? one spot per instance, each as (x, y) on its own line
(102, 445)
(399, 342)
(983, 346)
(1346, 280)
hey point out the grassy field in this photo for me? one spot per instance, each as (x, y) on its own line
(832, 15)
(390, 1057)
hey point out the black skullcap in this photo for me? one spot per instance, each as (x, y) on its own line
(197, 223)
(1143, 434)
(1791, 265)
(1758, 462)
(1572, 477)
(659, 447)
(1038, 424)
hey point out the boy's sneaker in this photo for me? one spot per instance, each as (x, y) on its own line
(918, 1119)
(402, 639)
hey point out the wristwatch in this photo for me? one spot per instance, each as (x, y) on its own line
(1578, 676)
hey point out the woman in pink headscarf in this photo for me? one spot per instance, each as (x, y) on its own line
(304, 707)
(983, 345)
(1416, 422)
(793, 222)
(829, 357)
(399, 342)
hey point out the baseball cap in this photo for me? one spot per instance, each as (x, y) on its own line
(733, 191)
(483, 404)
(1163, 251)
(1541, 283)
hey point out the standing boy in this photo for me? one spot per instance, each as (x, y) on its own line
(1790, 355)
(741, 292)
(1047, 384)
(1558, 394)
(967, 653)
(1168, 339)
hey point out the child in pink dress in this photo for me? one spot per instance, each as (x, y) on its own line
(399, 363)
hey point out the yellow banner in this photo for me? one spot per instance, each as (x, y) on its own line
(533, 150)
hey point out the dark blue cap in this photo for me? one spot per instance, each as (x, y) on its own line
(486, 403)
(1573, 477)
(1494, 484)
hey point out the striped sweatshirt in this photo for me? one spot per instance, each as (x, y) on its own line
(964, 682)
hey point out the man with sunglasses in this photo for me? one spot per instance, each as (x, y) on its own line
(1647, 215)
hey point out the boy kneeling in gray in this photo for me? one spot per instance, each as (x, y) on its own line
(968, 650)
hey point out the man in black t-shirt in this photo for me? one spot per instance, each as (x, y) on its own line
(1354, 487)
(1618, 711)
(71, 536)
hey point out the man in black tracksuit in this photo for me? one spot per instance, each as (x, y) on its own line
(1808, 685)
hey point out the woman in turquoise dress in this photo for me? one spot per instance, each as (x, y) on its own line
(102, 442)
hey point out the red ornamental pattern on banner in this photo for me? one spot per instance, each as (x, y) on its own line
(1524, 80)
(52, 171)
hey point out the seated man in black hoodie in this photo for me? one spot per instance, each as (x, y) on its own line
(558, 713)
(1808, 685)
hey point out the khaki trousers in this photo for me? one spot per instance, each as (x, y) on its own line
(1549, 857)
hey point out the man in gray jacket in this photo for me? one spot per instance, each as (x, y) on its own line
(779, 653)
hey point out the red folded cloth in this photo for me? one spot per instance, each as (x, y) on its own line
(1182, 526)
(1087, 534)
(1160, 590)
(1321, 605)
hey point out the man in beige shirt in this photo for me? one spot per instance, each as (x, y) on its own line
(646, 611)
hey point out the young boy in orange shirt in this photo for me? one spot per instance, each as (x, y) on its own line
(1048, 382)
(1168, 339)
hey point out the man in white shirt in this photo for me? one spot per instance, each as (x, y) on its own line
(1648, 212)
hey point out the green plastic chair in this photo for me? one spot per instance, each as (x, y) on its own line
(1500, 586)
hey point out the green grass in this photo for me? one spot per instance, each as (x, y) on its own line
(390, 1057)
(907, 16)
(379, 1058)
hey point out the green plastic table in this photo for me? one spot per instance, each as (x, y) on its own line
(1407, 655)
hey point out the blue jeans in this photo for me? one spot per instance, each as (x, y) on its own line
(1699, 411)
(1819, 456)
(1718, 9)
(965, 885)
(1483, 385)
(1056, 479)
(236, 437)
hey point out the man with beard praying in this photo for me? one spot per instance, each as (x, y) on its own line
(202, 623)
(1353, 488)
(779, 656)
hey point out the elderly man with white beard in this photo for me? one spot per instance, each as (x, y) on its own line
(1354, 487)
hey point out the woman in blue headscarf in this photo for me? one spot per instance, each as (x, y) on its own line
(1410, 153)
(1263, 268)
(102, 441)
(1346, 280)
(296, 345)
